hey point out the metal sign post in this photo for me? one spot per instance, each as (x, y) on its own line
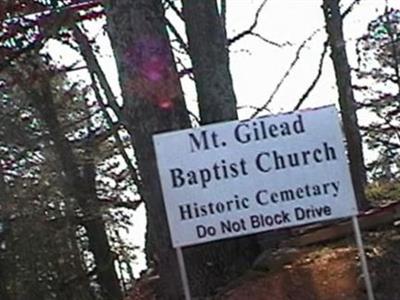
(182, 269)
(363, 258)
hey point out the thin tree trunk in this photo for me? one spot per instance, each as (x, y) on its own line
(83, 189)
(95, 70)
(214, 264)
(153, 102)
(334, 28)
(96, 233)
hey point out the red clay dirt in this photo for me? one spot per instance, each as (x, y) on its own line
(333, 275)
(320, 272)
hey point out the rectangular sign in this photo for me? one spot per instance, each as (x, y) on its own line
(242, 177)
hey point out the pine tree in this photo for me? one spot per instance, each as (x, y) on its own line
(378, 89)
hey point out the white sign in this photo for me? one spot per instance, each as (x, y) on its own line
(237, 178)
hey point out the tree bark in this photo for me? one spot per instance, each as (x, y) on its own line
(334, 29)
(153, 102)
(209, 55)
(213, 265)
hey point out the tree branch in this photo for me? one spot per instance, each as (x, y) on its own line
(251, 28)
(350, 8)
(133, 205)
(316, 79)
(269, 41)
(94, 67)
(278, 86)
(175, 9)
(120, 145)
(254, 108)
(178, 37)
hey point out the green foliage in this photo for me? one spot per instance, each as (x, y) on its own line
(378, 192)
(378, 92)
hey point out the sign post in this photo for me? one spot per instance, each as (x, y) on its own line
(182, 270)
(363, 259)
(243, 177)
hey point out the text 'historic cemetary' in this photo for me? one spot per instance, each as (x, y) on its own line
(243, 177)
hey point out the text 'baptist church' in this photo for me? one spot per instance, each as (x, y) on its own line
(266, 161)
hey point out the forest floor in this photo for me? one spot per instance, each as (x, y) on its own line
(326, 272)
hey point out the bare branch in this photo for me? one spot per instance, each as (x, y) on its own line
(321, 61)
(258, 12)
(133, 205)
(253, 107)
(178, 37)
(195, 118)
(175, 9)
(120, 145)
(269, 41)
(72, 68)
(278, 86)
(96, 71)
(316, 79)
(251, 28)
(94, 67)
(249, 31)
(185, 70)
(350, 8)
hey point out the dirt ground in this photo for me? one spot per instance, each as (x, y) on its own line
(329, 275)
(328, 272)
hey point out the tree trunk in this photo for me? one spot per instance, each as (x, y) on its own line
(4, 268)
(209, 55)
(83, 189)
(214, 264)
(334, 28)
(153, 102)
